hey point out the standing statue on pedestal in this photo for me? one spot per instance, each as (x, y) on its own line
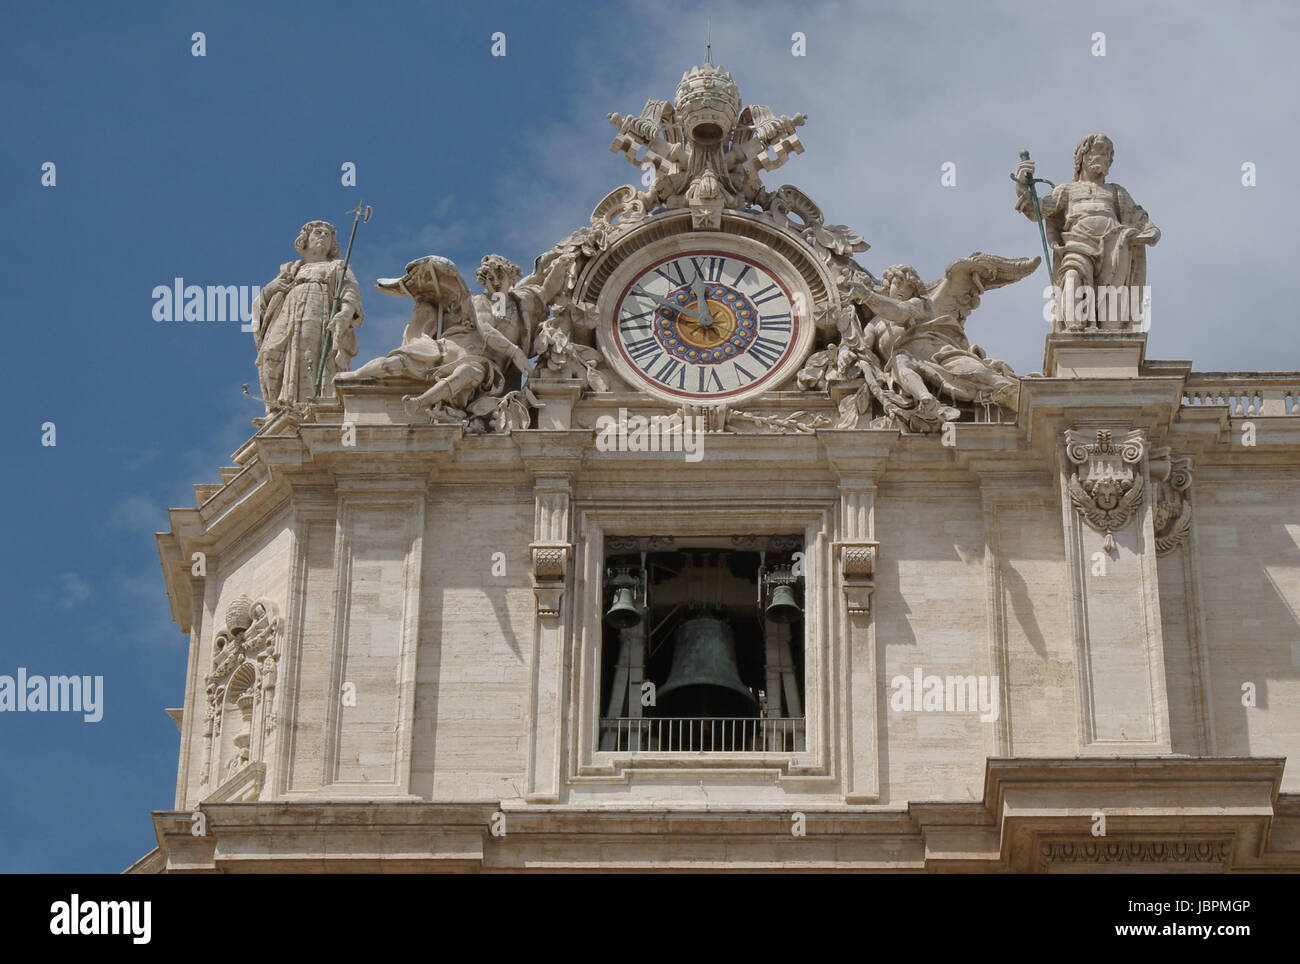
(291, 315)
(1098, 237)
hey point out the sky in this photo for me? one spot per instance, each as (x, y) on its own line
(169, 165)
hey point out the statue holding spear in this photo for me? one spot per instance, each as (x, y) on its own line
(305, 320)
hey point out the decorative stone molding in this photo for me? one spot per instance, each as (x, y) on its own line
(1172, 505)
(550, 563)
(795, 423)
(858, 570)
(241, 689)
(1108, 487)
(1184, 851)
(549, 560)
(550, 549)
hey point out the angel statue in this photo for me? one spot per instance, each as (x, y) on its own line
(559, 356)
(913, 350)
(471, 348)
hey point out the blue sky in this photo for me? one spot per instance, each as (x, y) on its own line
(204, 168)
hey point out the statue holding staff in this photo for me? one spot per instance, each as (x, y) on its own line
(292, 318)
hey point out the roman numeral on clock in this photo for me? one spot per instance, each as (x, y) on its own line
(643, 348)
(675, 266)
(709, 380)
(710, 269)
(670, 367)
(740, 369)
(766, 351)
(781, 322)
(757, 296)
(639, 322)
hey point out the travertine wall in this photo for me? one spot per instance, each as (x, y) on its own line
(930, 613)
(475, 638)
(260, 569)
(1248, 540)
(1038, 667)
(966, 585)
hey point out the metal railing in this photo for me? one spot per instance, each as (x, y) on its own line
(709, 734)
(1246, 394)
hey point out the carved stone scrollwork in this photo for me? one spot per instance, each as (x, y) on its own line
(550, 564)
(1172, 499)
(1203, 851)
(640, 543)
(240, 689)
(858, 571)
(1107, 489)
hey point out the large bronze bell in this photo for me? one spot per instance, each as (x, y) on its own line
(704, 680)
(783, 609)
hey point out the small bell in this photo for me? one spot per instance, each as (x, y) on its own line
(783, 609)
(623, 613)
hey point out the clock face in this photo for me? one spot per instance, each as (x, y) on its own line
(708, 325)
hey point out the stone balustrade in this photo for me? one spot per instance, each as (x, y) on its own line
(1247, 394)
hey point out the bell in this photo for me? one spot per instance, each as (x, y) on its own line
(704, 680)
(623, 613)
(783, 609)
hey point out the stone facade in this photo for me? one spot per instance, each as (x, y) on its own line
(405, 581)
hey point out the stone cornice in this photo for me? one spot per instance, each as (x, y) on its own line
(1222, 813)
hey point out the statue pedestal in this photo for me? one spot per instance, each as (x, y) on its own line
(1094, 354)
(558, 396)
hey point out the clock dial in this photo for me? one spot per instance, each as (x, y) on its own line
(707, 325)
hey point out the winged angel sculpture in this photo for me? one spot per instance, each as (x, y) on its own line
(472, 350)
(907, 340)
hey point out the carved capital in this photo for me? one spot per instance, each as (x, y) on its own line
(858, 570)
(858, 559)
(550, 560)
(550, 568)
(1083, 449)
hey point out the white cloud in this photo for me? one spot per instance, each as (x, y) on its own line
(72, 590)
(139, 514)
(891, 95)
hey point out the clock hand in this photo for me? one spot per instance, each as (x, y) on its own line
(701, 303)
(665, 303)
